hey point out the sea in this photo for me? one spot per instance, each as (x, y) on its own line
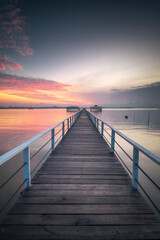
(19, 125)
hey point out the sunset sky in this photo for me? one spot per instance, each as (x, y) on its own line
(80, 52)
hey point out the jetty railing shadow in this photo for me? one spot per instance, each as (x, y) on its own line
(109, 134)
(57, 132)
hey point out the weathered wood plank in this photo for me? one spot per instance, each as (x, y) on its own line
(104, 187)
(150, 231)
(82, 200)
(69, 171)
(81, 209)
(80, 220)
(62, 192)
(80, 181)
(82, 176)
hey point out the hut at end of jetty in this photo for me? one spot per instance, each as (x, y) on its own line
(96, 108)
(73, 109)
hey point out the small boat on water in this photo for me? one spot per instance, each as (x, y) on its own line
(96, 108)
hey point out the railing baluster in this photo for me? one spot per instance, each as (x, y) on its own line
(102, 127)
(52, 141)
(26, 169)
(97, 124)
(135, 167)
(68, 124)
(63, 129)
(112, 141)
(70, 121)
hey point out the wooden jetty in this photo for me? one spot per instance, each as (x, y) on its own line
(81, 192)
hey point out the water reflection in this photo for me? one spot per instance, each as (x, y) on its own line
(142, 125)
(19, 125)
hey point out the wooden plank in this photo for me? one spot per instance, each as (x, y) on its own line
(80, 181)
(85, 176)
(82, 232)
(69, 171)
(68, 164)
(95, 187)
(80, 220)
(81, 209)
(64, 199)
(62, 192)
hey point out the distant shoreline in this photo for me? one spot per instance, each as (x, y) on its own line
(66, 107)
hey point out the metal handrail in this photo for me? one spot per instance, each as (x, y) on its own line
(136, 149)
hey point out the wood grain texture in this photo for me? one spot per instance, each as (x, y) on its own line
(81, 192)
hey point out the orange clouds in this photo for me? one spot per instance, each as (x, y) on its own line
(6, 62)
(11, 82)
(27, 90)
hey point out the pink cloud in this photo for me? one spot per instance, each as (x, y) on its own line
(18, 83)
(12, 25)
(6, 62)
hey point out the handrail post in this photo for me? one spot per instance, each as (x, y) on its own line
(62, 129)
(52, 139)
(26, 169)
(98, 124)
(70, 121)
(68, 124)
(112, 141)
(102, 127)
(135, 167)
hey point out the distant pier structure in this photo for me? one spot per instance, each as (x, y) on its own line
(96, 108)
(73, 109)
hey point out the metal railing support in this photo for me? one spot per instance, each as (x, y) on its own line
(98, 124)
(68, 124)
(102, 127)
(26, 169)
(112, 141)
(63, 129)
(135, 167)
(70, 121)
(52, 139)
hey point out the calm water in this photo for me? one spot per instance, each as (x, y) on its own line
(142, 126)
(17, 126)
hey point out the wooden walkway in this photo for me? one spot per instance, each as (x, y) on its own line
(81, 192)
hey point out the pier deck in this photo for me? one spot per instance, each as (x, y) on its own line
(81, 192)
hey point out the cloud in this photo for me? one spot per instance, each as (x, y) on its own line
(12, 25)
(20, 90)
(11, 82)
(6, 62)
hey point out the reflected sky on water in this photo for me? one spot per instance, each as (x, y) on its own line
(141, 125)
(19, 125)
